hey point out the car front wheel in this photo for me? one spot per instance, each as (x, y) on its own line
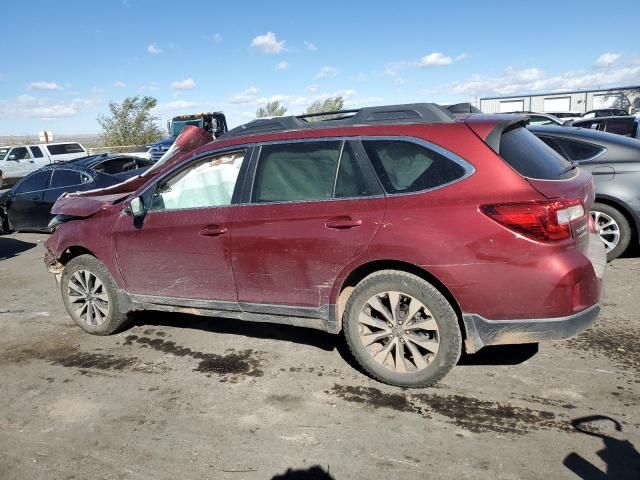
(90, 296)
(401, 329)
(613, 228)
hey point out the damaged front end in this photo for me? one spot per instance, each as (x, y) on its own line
(81, 218)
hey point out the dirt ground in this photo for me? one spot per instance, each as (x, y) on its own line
(176, 396)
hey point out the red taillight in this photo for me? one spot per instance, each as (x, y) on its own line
(543, 221)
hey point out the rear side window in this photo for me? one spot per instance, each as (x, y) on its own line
(64, 148)
(573, 149)
(405, 167)
(531, 157)
(296, 171)
(37, 153)
(66, 178)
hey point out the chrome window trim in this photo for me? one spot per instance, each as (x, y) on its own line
(469, 169)
(187, 164)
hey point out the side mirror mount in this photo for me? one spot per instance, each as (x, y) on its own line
(136, 206)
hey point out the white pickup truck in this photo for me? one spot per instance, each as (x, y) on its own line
(19, 160)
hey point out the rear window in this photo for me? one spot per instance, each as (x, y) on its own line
(531, 157)
(573, 149)
(64, 148)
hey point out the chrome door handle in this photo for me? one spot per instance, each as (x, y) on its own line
(342, 223)
(213, 231)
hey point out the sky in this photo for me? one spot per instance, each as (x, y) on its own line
(62, 62)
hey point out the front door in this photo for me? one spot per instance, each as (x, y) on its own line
(180, 249)
(26, 210)
(312, 212)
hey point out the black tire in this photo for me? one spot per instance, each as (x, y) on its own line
(448, 330)
(116, 316)
(5, 224)
(623, 226)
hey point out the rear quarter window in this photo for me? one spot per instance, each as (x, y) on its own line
(531, 157)
(405, 167)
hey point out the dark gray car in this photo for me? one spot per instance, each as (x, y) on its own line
(614, 162)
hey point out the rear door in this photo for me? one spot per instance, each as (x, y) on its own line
(313, 207)
(26, 209)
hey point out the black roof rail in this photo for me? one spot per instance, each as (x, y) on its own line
(383, 115)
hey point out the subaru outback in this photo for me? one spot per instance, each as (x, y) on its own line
(414, 234)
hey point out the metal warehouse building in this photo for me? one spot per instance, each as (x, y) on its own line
(579, 101)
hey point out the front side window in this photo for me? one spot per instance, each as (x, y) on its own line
(405, 167)
(207, 183)
(34, 182)
(4, 152)
(20, 153)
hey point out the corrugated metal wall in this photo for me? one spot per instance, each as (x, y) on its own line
(579, 102)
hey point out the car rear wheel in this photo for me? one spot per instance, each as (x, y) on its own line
(613, 228)
(401, 329)
(90, 296)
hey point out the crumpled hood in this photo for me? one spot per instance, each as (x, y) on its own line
(85, 204)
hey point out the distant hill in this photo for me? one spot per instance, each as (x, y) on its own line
(86, 139)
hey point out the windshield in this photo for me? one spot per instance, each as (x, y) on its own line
(178, 125)
(4, 152)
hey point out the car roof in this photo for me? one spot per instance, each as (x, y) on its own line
(85, 163)
(382, 115)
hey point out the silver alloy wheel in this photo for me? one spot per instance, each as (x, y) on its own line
(607, 228)
(399, 332)
(88, 297)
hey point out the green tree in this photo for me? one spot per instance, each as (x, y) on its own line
(130, 122)
(271, 109)
(331, 104)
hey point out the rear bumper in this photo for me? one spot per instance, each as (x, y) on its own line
(482, 332)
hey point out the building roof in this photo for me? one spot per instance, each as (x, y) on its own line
(564, 92)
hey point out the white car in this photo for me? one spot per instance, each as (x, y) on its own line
(19, 160)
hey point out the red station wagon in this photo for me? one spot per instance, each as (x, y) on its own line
(413, 233)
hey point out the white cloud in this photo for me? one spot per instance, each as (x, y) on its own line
(325, 72)
(268, 43)
(216, 38)
(248, 96)
(44, 86)
(151, 87)
(186, 84)
(529, 80)
(310, 46)
(176, 105)
(607, 59)
(27, 106)
(435, 59)
(119, 84)
(313, 88)
(393, 69)
(153, 49)
(462, 56)
(282, 66)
